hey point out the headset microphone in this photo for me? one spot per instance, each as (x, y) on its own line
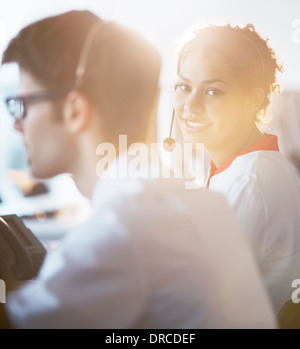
(169, 143)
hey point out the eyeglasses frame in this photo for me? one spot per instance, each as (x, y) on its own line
(79, 76)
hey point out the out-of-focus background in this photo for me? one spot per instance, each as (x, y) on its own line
(166, 23)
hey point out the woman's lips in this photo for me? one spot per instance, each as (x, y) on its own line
(194, 126)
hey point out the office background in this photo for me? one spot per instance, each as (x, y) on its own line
(166, 23)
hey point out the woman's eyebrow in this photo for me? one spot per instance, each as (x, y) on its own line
(214, 80)
(210, 81)
(183, 78)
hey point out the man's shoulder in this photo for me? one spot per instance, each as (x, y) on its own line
(151, 190)
(164, 203)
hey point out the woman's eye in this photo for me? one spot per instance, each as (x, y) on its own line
(213, 92)
(182, 87)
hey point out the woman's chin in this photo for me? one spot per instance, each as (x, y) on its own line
(192, 138)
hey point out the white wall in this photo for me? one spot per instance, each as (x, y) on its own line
(164, 21)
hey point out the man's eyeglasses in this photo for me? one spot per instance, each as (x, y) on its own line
(16, 106)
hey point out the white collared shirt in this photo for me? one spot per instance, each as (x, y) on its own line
(152, 255)
(263, 190)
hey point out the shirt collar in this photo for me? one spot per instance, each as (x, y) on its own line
(268, 143)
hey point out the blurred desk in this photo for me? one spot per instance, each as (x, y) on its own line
(49, 216)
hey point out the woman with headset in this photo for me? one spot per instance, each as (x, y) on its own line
(225, 76)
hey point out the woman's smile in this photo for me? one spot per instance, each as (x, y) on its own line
(194, 126)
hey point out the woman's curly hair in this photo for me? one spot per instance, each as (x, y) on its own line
(249, 56)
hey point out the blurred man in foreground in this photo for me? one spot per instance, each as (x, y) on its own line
(152, 254)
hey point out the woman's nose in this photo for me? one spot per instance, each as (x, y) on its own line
(194, 104)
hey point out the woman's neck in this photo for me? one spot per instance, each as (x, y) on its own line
(220, 156)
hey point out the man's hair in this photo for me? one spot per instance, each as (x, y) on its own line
(121, 74)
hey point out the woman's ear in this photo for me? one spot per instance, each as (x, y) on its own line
(76, 112)
(255, 99)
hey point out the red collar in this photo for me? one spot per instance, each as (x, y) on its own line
(269, 143)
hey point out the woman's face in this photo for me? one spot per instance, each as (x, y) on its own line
(210, 104)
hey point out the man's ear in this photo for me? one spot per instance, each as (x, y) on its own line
(76, 112)
(255, 100)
